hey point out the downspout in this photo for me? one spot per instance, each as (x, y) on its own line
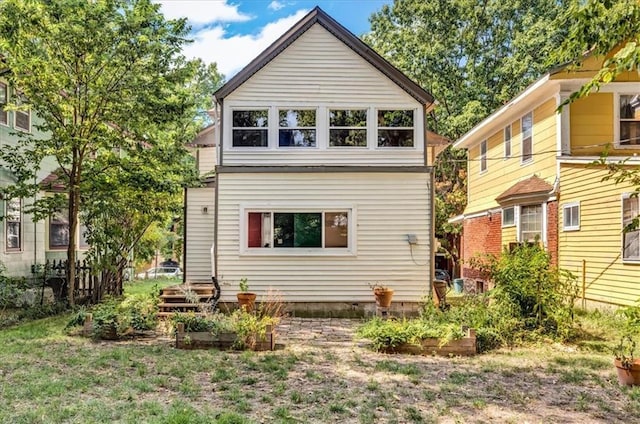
(432, 218)
(214, 248)
(184, 236)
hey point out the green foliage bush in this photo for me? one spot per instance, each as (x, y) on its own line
(393, 333)
(115, 317)
(248, 326)
(531, 300)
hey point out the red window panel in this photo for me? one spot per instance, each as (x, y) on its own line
(255, 229)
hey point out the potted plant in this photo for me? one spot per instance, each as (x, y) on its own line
(383, 295)
(246, 299)
(627, 366)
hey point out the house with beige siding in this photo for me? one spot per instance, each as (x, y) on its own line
(26, 242)
(322, 183)
(531, 175)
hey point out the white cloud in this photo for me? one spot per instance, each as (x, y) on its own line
(200, 12)
(233, 53)
(276, 5)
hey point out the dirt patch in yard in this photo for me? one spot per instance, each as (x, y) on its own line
(320, 375)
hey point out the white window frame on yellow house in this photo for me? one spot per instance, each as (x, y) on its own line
(483, 156)
(543, 227)
(507, 141)
(528, 160)
(571, 210)
(617, 120)
(626, 220)
(514, 222)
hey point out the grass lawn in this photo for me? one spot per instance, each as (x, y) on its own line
(48, 376)
(147, 286)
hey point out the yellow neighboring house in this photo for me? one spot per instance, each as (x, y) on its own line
(530, 174)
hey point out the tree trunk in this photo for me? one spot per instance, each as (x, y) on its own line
(74, 206)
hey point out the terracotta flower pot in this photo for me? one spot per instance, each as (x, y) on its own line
(628, 376)
(383, 296)
(247, 301)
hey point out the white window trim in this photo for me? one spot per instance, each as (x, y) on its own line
(277, 139)
(504, 140)
(515, 217)
(20, 249)
(616, 119)
(416, 124)
(626, 196)
(244, 250)
(483, 156)
(522, 160)
(367, 128)
(6, 88)
(543, 236)
(269, 128)
(564, 211)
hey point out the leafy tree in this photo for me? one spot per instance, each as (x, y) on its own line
(598, 27)
(116, 102)
(473, 57)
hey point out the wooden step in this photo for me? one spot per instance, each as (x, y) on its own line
(181, 296)
(182, 290)
(179, 305)
(170, 314)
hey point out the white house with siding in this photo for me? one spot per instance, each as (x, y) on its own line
(323, 183)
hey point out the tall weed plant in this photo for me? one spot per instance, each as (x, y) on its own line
(530, 290)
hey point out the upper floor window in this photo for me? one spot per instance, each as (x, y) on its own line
(483, 156)
(631, 232)
(527, 137)
(571, 217)
(348, 128)
(250, 128)
(629, 119)
(310, 229)
(4, 115)
(395, 128)
(507, 141)
(13, 219)
(297, 128)
(22, 117)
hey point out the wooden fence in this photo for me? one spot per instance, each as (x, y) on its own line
(86, 285)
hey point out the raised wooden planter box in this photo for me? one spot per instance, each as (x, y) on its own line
(465, 346)
(223, 341)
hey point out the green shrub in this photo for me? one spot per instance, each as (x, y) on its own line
(393, 333)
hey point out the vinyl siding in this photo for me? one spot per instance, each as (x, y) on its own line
(206, 159)
(388, 206)
(319, 71)
(598, 242)
(509, 235)
(199, 234)
(502, 172)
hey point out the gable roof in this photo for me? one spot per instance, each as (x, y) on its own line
(318, 16)
(531, 187)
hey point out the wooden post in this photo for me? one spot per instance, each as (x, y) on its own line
(584, 283)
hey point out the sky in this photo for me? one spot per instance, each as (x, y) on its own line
(233, 32)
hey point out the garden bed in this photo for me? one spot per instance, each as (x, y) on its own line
(223, 340)
(465, 346)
